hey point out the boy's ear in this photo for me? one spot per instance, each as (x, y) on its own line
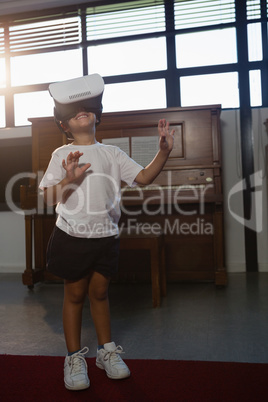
(64, 126)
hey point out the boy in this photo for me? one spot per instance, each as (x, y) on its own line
(83, 179)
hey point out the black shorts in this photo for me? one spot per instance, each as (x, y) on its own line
(74, 258)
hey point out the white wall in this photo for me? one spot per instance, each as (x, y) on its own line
(12, 243)
(234, 231)
(260, 141)
(12, 240)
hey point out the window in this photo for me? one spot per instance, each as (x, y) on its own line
(34, 104)
(2, 43)
(210, 89)
(2, 73)
(2, 60)
(255, 88)
(46, 67)
(138, 95)
(253, 9)
(198, 13)
(206, 48)
(2, 112)
(254, 42)
(125, 19)
(151, 54)
(48, 34)
(128, 57)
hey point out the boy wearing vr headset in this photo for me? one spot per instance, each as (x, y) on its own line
(84, 180)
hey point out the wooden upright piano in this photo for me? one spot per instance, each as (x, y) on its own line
(185, 201)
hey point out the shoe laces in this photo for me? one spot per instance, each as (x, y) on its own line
(113, 355)
(77, 361)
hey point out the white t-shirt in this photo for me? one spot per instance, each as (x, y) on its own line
(93, 207)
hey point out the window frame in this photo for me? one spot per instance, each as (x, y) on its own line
(171, 75)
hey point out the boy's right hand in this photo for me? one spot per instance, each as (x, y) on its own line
(73, 170)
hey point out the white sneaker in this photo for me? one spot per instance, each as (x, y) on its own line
(108, 359)
(75, 371)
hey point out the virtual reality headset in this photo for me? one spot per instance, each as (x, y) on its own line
(71, 95)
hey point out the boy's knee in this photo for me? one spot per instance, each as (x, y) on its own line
(75, 295)
(75, 292)
(77, 298)
(99, 294)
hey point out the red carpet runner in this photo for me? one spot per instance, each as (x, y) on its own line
(40, 378)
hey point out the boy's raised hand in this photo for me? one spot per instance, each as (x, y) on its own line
(73, 170)
(166, 139)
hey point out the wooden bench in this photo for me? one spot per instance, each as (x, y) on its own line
(130, 240)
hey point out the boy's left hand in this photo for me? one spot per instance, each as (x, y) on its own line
(166, 139)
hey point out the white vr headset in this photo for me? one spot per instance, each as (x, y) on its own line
(72, 95)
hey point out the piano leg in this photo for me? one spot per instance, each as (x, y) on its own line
(220, 270)
(30, 276)
(155, 273)
(163, 280)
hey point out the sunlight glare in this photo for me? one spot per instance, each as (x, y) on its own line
(34, 104)
(2, 73)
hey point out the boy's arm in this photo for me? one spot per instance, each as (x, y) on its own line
(54, 194)
(166, 141)
(60, 191)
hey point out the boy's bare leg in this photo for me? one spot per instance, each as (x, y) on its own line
(74, 297)
(99, 304)
(98, 294)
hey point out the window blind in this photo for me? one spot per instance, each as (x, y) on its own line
(253, 9)
(45, 34)
(2, 42)
(125, 19)
(197, 13)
